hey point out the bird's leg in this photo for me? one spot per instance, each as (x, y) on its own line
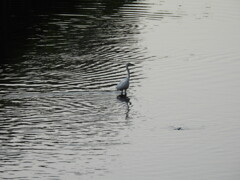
(125, 92)
(121, 92)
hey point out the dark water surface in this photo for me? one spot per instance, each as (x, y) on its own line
(61, 118)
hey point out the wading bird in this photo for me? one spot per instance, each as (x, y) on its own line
(124, 83)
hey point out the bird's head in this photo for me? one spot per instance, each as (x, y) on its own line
(129, 64)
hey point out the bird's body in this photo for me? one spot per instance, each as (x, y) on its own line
(123, 85)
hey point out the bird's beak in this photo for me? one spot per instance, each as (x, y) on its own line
(130, 64)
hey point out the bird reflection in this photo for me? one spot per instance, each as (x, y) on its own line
(125, 99)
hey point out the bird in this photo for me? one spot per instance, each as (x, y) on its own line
(124, 83)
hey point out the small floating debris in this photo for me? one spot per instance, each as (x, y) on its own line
(178, 128)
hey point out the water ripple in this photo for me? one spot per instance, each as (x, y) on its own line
(61, 116)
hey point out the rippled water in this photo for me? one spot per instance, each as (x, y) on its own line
(61, 117)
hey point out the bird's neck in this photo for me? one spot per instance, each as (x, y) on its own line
(128, 73)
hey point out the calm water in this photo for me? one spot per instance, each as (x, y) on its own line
(61, 117)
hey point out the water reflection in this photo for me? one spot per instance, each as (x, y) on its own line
(125, 99)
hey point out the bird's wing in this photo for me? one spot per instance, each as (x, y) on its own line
(123, 84)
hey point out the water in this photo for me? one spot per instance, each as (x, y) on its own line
(62, 118)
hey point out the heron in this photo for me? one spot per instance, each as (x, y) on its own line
(124, 83)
